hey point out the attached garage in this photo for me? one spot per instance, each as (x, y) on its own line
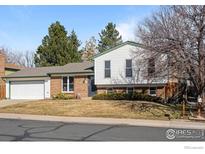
(45, 82)
(27, 90)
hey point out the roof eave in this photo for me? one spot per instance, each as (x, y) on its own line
(71, 73)
(10, 77)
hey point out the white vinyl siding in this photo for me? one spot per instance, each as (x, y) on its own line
(117, 58)
(118, 67)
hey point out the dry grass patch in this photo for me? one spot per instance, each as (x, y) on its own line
(93, 108)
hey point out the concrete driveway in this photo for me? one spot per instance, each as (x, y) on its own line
(8, 102)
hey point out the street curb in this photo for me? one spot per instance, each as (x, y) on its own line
(109, 121)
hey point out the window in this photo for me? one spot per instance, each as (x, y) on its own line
(65, 81)
(129, 68)
(107, 69)
(109, 91)
(67, 87)
(71, 83)
(130, 90)
(152, 91)
(151, 66)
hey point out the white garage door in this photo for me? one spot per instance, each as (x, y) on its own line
(27, 90)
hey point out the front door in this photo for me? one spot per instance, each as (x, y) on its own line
(91, 86)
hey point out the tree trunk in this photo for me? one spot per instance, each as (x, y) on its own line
(183, 109)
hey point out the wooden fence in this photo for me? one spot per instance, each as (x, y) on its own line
(2, 91)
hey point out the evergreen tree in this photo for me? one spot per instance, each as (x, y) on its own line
(73, 46)
(109, 37)
(56, 48)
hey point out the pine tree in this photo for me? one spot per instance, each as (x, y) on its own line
(73, 46)
(56, 48)
(109, 37)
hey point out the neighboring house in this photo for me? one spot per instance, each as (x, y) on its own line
(75, 79)
(6, 69)
(121, 69)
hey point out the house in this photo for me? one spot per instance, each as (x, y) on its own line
(117, 69)
(74, 79)
(6, 69)
(121, 69)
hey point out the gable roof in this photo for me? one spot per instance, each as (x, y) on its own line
(83, 67)
(118, 46)
(13, 66)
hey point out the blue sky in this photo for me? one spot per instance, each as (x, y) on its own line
(23, 27)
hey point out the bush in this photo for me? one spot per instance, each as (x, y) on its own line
(124, 96)
(61, 96)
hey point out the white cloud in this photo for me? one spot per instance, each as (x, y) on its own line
(127, 29)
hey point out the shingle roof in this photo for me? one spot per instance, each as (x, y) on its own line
(83, 67)
(13, 66)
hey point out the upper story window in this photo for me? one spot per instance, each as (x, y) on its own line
(151, 66)
(68, 84)
(107, 69)
(128, 67)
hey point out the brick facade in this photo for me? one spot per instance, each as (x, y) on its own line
(171, 89)
(56, 85)
(80, 86)
(160, 92)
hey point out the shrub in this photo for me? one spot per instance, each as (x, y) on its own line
(124, 96)
(61, 96)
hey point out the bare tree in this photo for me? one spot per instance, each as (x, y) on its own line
(90, 49)
(29, 59)
(178, 34)
(23, 59)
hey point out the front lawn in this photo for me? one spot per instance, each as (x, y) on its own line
(94, 108)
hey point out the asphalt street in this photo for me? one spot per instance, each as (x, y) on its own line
(27, 130)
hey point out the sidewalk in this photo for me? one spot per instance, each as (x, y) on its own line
(110, 121)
